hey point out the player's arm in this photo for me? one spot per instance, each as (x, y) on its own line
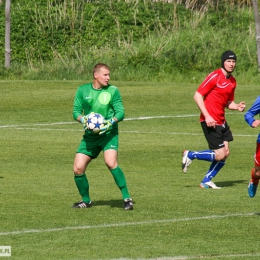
(119, 113)
(77, 106)
(234, 106)
(200, 103)
(118, 107)
(78, 109)
(204, 89)
(252, 112)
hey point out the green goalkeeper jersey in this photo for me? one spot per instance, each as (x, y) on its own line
(106, 101)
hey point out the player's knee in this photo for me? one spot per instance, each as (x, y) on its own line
(111, 164)
(220, 158)
(78, 170)
(227, 153)
(221, 155)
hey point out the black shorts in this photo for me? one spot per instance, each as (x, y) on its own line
(216, 136)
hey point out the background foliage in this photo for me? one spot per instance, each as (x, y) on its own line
(63, 39)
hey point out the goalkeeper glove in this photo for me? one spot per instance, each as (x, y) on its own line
(83, 121)
(107, 126)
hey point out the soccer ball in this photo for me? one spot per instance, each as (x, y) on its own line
(95, 122)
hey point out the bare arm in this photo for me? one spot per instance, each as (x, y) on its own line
(233, 106)
(200, 103)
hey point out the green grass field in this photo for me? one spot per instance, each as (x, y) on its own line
(172, 218)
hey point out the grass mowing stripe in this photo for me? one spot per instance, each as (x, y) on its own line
(126, 224)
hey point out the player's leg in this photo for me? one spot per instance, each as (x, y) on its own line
(80, 163)
(255, 173)
(110, 157)
(189, 156)
(87, 150)
(217, 164)
(212, 172)
(219, 143)
(205, 155)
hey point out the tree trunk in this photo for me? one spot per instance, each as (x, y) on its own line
(257, 26)
(7, 33)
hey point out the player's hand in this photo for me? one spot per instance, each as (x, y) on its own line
(107, 126)
(241, 106)
(84, 120)
(256, 123)
(210, 121)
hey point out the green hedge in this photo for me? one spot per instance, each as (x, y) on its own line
(156, 37)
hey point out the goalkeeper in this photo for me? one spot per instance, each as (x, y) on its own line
(105, 99)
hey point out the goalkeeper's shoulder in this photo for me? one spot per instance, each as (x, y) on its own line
(113, 89)
(84, 86)
(112, 86)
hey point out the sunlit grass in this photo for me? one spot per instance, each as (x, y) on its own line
(172, 217)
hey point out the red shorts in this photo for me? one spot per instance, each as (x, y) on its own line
(257, 155)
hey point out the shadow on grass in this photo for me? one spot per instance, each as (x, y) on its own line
(227, 183)
(231, 183)
(111, 203)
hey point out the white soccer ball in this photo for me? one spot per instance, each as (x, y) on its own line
(95, 122)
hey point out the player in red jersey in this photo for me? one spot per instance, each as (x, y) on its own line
(215, 94)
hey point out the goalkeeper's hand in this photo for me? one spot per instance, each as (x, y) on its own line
(107, 126)
(84, 120)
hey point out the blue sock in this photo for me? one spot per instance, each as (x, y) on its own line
(213, 170)
(206, 155)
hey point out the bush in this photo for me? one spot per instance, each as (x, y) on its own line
(63, 39)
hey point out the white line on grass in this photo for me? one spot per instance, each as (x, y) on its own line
(74, 122)
(35, 126)
(133, 132)
(121, 131)
(126, 119)
(193, 257)
(46, 124)
(124, 224)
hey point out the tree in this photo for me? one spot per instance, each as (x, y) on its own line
(7, 33)
(257, 26)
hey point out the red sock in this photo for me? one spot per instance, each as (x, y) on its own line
(254, 177)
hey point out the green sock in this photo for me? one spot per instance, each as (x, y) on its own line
(83, 186)
(120, 180)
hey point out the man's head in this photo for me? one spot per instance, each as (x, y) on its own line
(228, 61)
(101, 74)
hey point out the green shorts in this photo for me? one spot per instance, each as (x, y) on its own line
(93, 145)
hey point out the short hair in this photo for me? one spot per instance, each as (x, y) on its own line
(98, 66)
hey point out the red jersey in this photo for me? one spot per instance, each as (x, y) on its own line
(217, 91)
